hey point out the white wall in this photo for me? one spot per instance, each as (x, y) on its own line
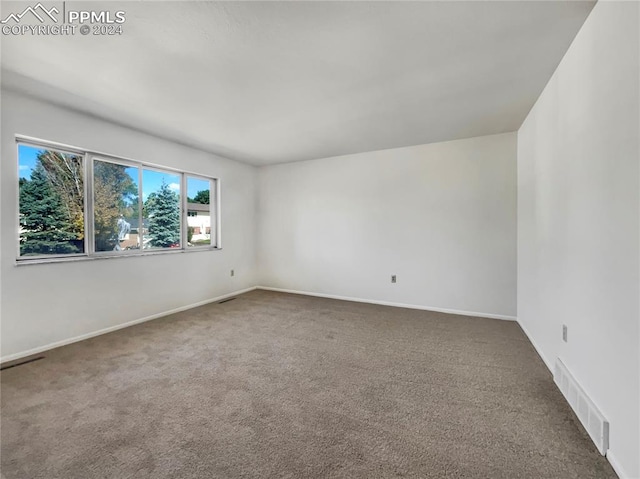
(46, 303)
(578, 221)
(442, 217)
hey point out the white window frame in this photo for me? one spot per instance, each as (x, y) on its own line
(117, 161)
(213, 209)
(88, 158)
(61, 149)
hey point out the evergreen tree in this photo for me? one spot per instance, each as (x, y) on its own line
(44, 220)
(163, 209)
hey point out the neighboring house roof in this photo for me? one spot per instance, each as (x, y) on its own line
(198, 207)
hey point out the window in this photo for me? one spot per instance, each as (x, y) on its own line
(51, 198)
(116, 209)
(198, 211)
(134, 208)
(161, 195)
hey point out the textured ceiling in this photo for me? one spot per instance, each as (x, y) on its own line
(272, 82)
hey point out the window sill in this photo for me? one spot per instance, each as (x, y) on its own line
(26, 261)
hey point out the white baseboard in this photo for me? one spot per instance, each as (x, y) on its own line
(388, 303)
(619, 470)
(64, 342)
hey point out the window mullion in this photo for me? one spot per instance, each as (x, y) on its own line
(89, 227)
(183, 212)
(140, 212)
(217, 209)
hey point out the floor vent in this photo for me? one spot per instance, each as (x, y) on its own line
(21, 363)
(590, 417)
(226, 300)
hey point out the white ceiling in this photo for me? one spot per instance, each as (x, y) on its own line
(272, 82)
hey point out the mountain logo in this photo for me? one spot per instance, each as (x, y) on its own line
(38, 11)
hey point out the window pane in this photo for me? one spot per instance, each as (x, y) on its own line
(161, 212)
(115, 205)
(51, 202)
(198, 212)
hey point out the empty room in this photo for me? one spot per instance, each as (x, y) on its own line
(320, 239)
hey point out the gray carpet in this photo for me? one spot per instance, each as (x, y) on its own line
(279, 385)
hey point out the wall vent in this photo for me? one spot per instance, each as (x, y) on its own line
(590, 416)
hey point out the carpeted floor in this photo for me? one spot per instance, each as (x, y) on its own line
(279, 385)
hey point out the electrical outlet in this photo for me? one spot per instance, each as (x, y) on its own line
(393, 278)
(564, 333)
(233, 273)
